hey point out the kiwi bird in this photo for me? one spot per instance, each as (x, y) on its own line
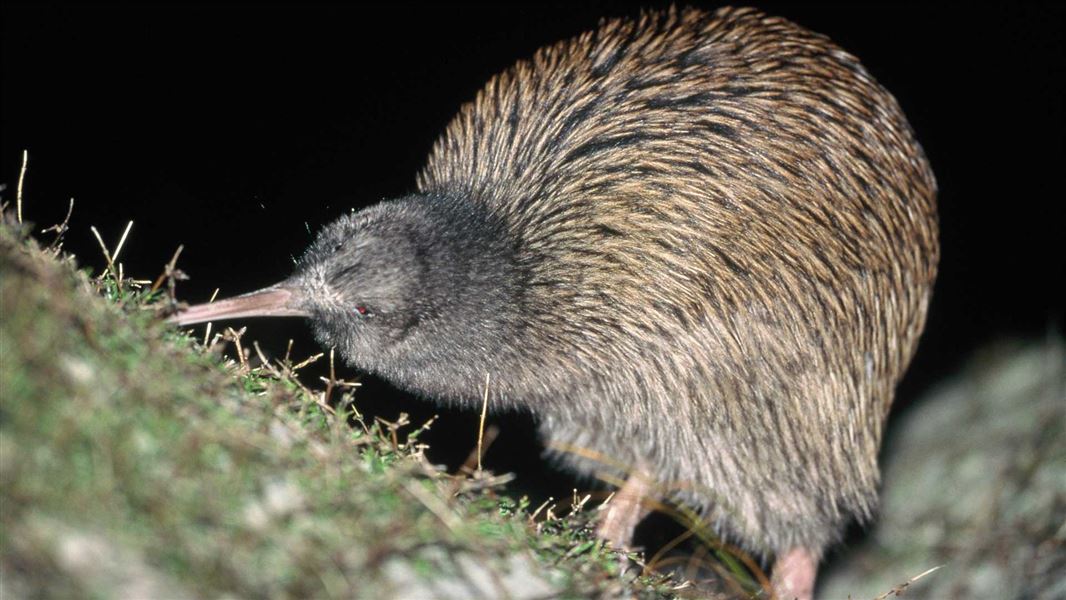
(701, 245)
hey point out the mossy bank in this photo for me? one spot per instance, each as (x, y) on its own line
(136, 462)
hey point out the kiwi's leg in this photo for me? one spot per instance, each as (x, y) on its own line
(793, 574)
(625, 510)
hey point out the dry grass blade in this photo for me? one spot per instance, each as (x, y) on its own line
(533, 517)
(103, 248)
(578, 504)
(479, 478)
(591, 455)
(332, 378)
(481, 424)
(112, 257)
(18, 193)
(121, 241)
(207, 330)
(899, 589)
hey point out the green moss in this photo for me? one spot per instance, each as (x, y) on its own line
(133, 460)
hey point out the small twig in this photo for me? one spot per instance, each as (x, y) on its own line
(235, 337)
(290, 375)
(171, 275)
(60, 229)
(166, 268)
(394, 428)
(333, 382)
(266, 363)
(288, 372)
(306, 362)
(22, 177)
(291, 372)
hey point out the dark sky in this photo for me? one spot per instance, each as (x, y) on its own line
(234, 130)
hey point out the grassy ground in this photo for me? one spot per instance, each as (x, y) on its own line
(137, 462)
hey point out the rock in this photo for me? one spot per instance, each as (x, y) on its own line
(974, 480)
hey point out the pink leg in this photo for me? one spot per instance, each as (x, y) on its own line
(793, 574)
(625, 511)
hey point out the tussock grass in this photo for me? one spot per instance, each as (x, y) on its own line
(136, 461)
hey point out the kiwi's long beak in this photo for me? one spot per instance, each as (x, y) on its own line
(274, 301)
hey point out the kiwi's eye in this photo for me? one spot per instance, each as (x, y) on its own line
(362, 311)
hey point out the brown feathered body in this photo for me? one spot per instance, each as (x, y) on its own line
(727, 238)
